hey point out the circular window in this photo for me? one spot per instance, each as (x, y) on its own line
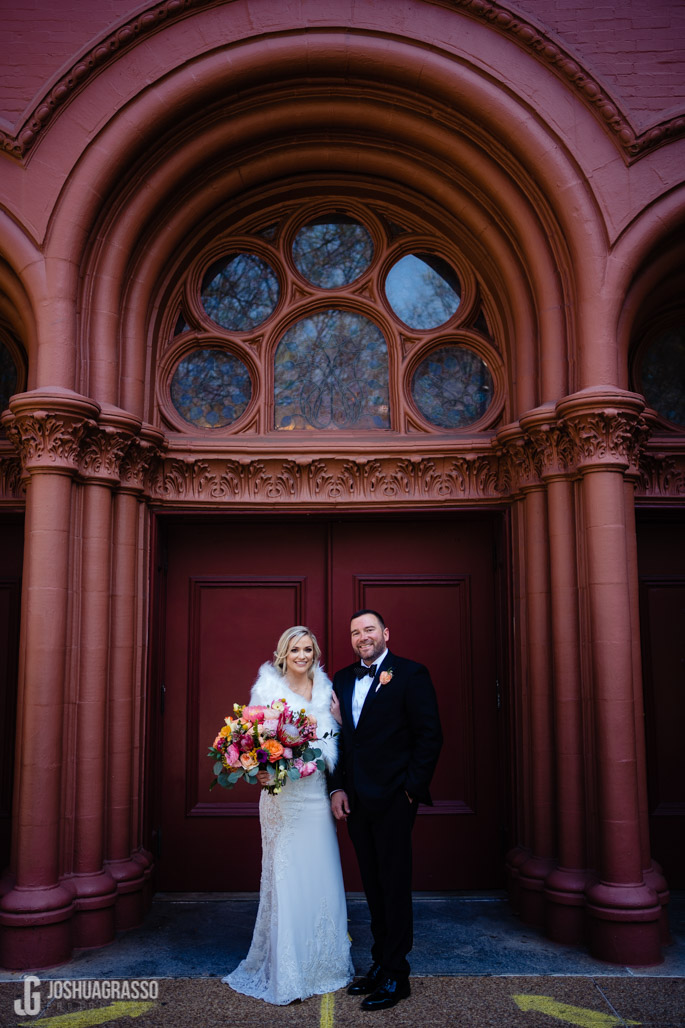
(239, 292)
(8, 377)
(452, 387)
(331, 371)
(210, 388)
(423, 290)
(332, 251)
(662, 374)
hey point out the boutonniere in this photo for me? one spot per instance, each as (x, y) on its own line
(384, 678)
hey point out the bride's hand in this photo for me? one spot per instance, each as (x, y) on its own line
(263, 777)
(335, 708)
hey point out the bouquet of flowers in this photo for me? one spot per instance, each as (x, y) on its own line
(275, 738)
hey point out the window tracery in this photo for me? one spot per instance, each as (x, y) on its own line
(329, 316)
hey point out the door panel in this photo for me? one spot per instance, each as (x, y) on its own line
(11, 551)
(233, 586)
(662, 614)
(433, 582)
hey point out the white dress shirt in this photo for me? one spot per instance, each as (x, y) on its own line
(361, 689)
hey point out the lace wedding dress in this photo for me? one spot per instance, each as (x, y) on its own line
(300, 946)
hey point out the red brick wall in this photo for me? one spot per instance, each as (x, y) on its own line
(635, 48)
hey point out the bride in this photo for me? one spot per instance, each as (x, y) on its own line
(300, 946)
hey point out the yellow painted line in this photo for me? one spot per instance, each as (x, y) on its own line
(327, 1008)
(98, 1015)
(581, 1016)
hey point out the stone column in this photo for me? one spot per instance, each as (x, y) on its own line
(47, 429)
(565, 884)
(127, 862)
(93, 885)
(536, 864)
(623, 911)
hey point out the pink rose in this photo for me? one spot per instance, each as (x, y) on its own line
(385, 677)
(254, 714)
(233, 755)
(287, 752)
(307, 769)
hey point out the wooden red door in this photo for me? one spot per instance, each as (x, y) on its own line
(234, 585)
(11, 551)
(661, 556)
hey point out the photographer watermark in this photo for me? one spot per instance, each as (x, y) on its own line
(37, 992)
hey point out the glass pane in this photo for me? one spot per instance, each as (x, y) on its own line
(331, 371)
(452, 387)
(423, 290)
(663, 375)
(210, 388)
(332, 251)
(8, 377)
(240, 291)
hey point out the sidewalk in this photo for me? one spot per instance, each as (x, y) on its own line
(473, 964)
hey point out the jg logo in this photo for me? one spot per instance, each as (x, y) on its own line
(29, 1006)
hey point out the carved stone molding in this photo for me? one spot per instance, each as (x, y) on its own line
(331, 480)
(526, 35)
(661, 475)
(101, 454)
(11, 481)
(606, 439)
(46, 441)
(61, 431)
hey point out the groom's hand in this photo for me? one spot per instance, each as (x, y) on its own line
(340, 805)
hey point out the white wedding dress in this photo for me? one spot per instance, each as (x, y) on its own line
(300, 945)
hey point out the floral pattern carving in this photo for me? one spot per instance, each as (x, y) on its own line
(47, 440)
(11, 484)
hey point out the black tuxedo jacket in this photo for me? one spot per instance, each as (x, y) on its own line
(397, 740)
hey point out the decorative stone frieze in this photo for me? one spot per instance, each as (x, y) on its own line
(265, 480)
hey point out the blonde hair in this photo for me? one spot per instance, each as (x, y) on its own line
(284, 643)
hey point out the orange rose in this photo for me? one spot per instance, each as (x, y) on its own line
(273, 748)
(385, 677)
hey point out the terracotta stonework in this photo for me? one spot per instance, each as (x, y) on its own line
(466, 131)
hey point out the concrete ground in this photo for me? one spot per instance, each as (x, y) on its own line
(474, 965)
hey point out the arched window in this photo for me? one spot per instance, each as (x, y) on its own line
(12, 368)
(329, 316)
(659, 369)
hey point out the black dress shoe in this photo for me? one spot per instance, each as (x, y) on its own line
(368, 983)
(389, 992)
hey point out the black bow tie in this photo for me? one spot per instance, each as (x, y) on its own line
(361, 670)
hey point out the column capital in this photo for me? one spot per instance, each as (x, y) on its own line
(606, 428)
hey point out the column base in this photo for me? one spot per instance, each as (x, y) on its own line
(653, 877)
(514, 859)
(129, 877)
(94, 899)
(532, 876)
(35, 928)
(624, 924)
(565, 919)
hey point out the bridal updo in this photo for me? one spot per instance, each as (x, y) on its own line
(284, 643)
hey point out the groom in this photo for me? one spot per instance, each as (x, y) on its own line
(390, 739)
